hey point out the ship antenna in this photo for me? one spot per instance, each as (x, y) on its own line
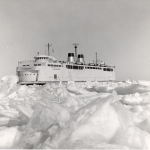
(75, 46)
(48, 48)
(96, 58)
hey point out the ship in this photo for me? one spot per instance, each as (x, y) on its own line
(46, 68)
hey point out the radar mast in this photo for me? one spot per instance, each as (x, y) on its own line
(75, 46)
(48, 48)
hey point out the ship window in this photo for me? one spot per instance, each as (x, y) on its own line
(75, 67)
(35, 64)
(108, 69)
(39, 64)
(81, 67)
(69, 67)
(105, 69)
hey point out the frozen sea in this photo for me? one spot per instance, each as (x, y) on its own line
(89, 115)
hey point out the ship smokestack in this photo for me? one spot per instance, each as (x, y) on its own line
(75, 46)
(81, 59)
(70, 58)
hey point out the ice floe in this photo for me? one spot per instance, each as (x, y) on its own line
(88, 115)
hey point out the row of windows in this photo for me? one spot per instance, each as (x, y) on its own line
(74, 67)
(48, 65)
(25, 65)
(54, 65)
(93, 68)
(81, 68)
(26, 74)
(42, 58)
(107, 69)
(37, 64)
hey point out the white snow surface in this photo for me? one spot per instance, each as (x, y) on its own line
(89, 115)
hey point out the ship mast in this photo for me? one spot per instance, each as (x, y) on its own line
(75, 46)
(48, 48)
(96, 58)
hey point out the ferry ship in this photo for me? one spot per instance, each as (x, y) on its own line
(46, 68)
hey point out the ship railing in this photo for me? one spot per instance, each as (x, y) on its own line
(26, 62)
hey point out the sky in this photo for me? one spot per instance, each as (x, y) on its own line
(118, 30)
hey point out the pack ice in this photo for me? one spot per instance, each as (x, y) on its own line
(89, 115)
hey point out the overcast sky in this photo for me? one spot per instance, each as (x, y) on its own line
(118, 30)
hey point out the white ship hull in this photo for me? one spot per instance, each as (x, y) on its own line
(43, 74)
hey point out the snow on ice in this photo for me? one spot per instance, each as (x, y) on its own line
(113, 115)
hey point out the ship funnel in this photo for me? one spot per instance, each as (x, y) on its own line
(81, 59)
(71, 58)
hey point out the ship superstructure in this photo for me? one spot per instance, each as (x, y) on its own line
(45, 68)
